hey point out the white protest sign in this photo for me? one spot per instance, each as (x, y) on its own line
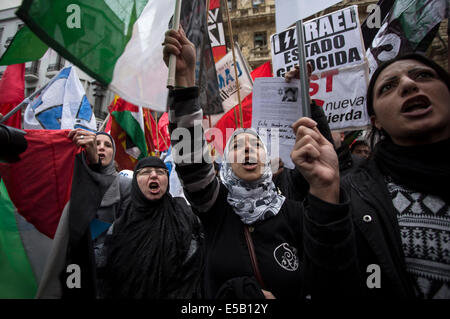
(227, 79)
(227, 82)
(276, 106)
(342, 95)
(288, 12)
(331, 41)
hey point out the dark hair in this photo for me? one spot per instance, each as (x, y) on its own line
(442, 74)
(357, 143)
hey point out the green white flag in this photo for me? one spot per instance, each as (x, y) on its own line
(115, 41)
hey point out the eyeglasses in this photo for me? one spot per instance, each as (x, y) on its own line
(148, 171)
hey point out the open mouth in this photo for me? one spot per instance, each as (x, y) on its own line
(154, 187)
(250, 164)
(416, 105)
(101, 156)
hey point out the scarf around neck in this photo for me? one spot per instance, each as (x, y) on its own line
(424, 168)
(251, 201)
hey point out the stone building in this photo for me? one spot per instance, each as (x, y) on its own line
(253, 22)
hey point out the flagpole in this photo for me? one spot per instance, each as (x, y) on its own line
(230, 34)
(25, 102)
(104, 123)
(304, 89)
(157, 131)
(173, 58)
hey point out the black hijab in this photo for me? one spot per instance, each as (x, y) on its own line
(155, 250)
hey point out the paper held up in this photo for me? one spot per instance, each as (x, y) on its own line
(276, 106)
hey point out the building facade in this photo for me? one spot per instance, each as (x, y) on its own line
(253, 23)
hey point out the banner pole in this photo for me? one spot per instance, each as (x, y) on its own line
(25, 102)
(157, 131)
(102, 127)
(173, 58)
(230, 34)
(304, 89)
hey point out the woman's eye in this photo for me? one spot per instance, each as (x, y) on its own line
(424, 75)
(386, 87)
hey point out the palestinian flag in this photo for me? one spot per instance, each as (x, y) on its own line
(33, 194)
(407, 26)
(119, 43)
(128, 131)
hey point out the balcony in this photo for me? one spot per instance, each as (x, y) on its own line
(259, 12)
(54, 68)
(32, 71)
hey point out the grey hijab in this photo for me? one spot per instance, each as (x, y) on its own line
(112, 195)
(251, 201)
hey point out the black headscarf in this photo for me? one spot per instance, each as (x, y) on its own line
(155, 250)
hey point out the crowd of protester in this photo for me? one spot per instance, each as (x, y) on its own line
(360, 220)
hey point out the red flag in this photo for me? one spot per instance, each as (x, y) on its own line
(39, 184)
(12, 92)
(163, 131)
(228, 119)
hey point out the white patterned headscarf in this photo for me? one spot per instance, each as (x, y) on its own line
(251, 201)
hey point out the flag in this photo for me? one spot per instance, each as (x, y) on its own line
(229, 119)
(288, 12)
(16, 276)
(39, 184)
(24, 47)
(216, 30)
(157, 133)
(12, 88)
(33, 194)
(119, 42)
(409, 26)
(61, 105)
(128, 132)
(193, 20)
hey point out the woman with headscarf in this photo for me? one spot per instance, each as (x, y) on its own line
(98, 197)
(98, 159)
(255, 238)
(155, 249)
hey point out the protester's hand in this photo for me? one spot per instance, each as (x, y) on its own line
(176, 42)
(86, 140)
(295, 74)
(316, 159)
(1, 116)
(268, 294)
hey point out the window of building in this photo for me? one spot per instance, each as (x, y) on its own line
(260, 39)
(232, 4)
(257, 2)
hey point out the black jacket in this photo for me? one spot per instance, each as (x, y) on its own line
(377, 236)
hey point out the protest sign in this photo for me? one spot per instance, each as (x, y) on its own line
(289, 11)
(276, 106)
(227, 79)
(216, 30)
(342, 95)
(331, 41)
